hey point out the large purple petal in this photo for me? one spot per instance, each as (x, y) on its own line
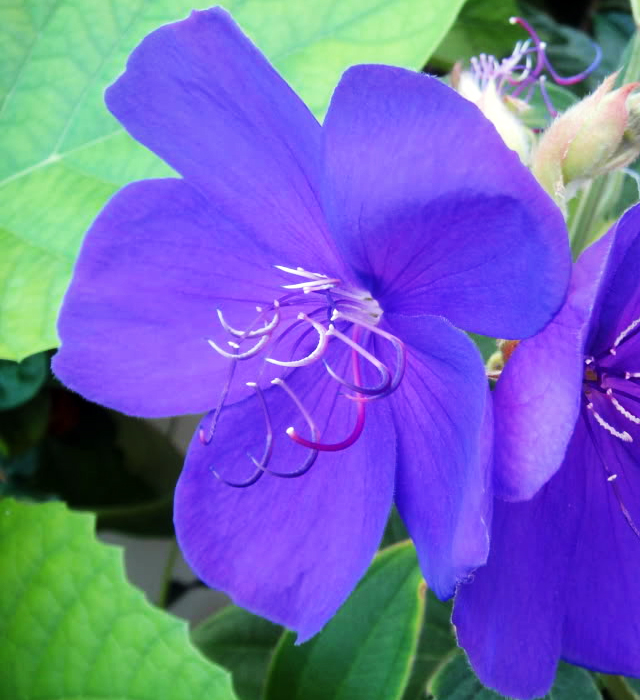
(154, 267)
(537, 399)
(444, 431)
(619, 302)
(561, 579)
(201, 96)
(434, 212)
(288, 549)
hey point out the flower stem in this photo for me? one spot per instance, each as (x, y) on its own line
(616, 687)
(166, 574)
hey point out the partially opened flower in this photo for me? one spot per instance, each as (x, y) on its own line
(302, 284)
(562, 576)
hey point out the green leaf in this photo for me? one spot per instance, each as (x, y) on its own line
(62, 154)
(73, 627)
(20, 381)
(365, 652)
(456, 681)
(485, 344)
(612, 30)
(482, 27)
(634, 684)
(21, 428)
(437, 641)
(241, 642)
(395, 531)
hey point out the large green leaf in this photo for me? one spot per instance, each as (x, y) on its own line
(365, 652)
(62, 154)
(72, 627)
(241, 642)
(456, 681)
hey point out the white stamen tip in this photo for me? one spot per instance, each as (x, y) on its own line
(629, 329)
(612, 351)
(252, 384)
(513, 20)
(233, 345)
(290, 431)
(613, 477)
(624, 435)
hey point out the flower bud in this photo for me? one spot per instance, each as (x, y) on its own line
(596, 135)
(498, 109)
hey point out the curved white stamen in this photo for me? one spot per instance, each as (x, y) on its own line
(619, 407)
(624, 436)
(315, 286)
(632, 326)
(242, 355)
(333, 331)
(267, 328)
(316, 281)
(314, 355)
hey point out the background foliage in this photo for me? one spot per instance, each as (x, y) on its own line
(71, 624)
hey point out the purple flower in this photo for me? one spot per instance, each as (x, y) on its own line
(562, 576)
(301, 284)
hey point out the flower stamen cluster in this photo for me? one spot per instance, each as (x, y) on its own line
(334, 311)
(608, 385)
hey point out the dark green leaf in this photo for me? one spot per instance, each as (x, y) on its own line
(456, 681)
(395, 530)
(612, 31)
(365, 652)
(241, 642)
(21, 381)
(437, 641)
(482, 27)
(94, 459)
(73, 627)
(634, 684)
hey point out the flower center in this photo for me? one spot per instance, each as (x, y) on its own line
(335, 312)
(611, 400)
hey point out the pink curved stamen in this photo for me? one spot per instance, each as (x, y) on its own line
(542, 61)
(355, 433)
